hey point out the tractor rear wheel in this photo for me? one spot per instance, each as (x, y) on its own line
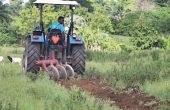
(78, 58)
(31, 55)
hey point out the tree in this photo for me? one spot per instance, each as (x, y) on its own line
(87, 4)
(29, 18)
(163, 2)
(30, 3)
(5, 34)
(100, 21)
(15, 7)
(24, 23)
(4, 12)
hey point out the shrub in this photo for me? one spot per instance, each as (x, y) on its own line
(136, 68)
(5, 34)
(7, 39)
(149, 42)
(145, 36)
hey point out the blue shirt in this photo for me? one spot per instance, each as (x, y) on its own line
(57, 25)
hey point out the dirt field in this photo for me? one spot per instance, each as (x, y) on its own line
(131, 98)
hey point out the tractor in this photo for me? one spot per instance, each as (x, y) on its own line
(58, 60)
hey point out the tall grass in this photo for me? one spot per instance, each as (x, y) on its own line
(161, 89)
(148, 68)
(132, 68)
(11, 51)
(18, 92)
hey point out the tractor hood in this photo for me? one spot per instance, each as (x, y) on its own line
(56, 2)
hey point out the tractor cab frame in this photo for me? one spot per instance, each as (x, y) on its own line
(72, 5)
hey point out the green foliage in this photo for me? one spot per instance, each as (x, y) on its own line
(20, 93)
(101, 56)
(28, 17)
(4, 13)
(163, 2)
(142, 28)
(25, 22)
(156, 20)
(15, 7)
(160, 89)
(6, 39)
(143, 32)
(93, 32)
(146, 25)
(5, 35)
(168, 42)
(30, 3)
(87, 4)
(136, 67)
(161, 20)
(135, 24)
(122, 17)
(99, 41)
(103, 22)
(149, 42)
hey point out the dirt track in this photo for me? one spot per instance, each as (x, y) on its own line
(131, 98)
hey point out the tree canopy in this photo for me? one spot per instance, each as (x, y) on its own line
(135, 18)
(4, 12)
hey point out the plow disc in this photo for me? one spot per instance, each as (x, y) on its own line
(60, 72)
(70, 71)
(53, 73)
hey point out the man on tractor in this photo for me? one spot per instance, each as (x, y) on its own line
(57, 28)
(58, 24)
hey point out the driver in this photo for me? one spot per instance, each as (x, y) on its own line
(58, 24)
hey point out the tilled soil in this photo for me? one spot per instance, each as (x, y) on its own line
(131, 98)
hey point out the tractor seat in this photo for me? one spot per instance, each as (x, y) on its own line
(55, 32)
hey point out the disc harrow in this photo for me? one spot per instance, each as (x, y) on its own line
(55, 69)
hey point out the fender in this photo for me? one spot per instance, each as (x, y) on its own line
(76, 40)
(39, 38)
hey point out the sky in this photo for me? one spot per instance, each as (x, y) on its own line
(7, 1)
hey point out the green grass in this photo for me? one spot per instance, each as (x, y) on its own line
(160, 89)
(147, 68)
(131, 67)
(11, 51)
(124, 39)
(18, 92)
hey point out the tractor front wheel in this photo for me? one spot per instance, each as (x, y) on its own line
(31, 55)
